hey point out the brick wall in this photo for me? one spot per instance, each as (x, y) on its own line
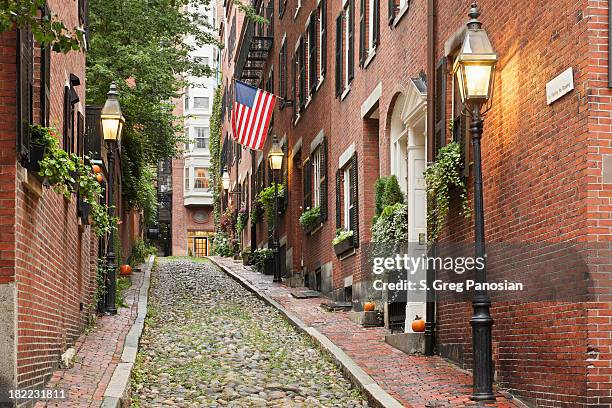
(43, 247)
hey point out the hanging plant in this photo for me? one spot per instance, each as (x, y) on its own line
(442, 177)
(266, 197)
(242, 219)
(256, 212)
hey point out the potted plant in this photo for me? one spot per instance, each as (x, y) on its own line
(247, 257)
(343, 241)
(262, 258)
(310, 219)
(42, 140)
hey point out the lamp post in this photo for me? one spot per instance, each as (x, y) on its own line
(474, 67)
(275, 158)
(112, 127)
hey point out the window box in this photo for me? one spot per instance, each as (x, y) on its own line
(344, 246)
(37, 153)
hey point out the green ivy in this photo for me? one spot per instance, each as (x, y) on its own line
(387, 193)
(215, 153)
(266, 198)
(442, 177)
(310, 218)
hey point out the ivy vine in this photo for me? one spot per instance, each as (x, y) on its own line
(215, 153)
(442, 177)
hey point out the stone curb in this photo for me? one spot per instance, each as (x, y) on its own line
(377, 397)
(117, 392)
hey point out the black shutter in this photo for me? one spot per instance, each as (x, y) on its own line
(93, 131)
(323, 186)
(307, 179)
(45, 79)
(376, 28)
(323, 23)
(80, 134)
(67, 121)
(362, 33)
(391, 11)
(351, 41)
(354, 196)
(302, 66)
(25, 46)
(440, 106)
(293, 80)
(282, 63)
(312, 50)
(339, 198)
(339, 55)
(281, 7)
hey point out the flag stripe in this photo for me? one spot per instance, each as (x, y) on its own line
(251, 115)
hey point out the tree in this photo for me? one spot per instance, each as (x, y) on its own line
(47, 30)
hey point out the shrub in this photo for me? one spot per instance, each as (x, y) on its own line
(310, 219)
(141, 251)
(387, 193)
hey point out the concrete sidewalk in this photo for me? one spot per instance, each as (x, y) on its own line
(412, 380)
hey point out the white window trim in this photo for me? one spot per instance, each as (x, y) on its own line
(346, 45)
(370, 25)
(347, 199)
(297, 9)
(316, 177)
(320, 39)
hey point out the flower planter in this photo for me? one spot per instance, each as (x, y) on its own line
(268, 267)
(37, 153)
(309, 229)
(344, 247)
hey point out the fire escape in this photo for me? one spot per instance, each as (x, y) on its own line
(256, 45)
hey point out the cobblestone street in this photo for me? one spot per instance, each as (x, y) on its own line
(210, 342)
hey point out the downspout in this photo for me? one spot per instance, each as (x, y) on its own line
(430, 308)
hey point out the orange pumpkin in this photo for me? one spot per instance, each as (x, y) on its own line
(369, 306)
(418, 325)
(125, 270)
(96, 169)
(99, 177)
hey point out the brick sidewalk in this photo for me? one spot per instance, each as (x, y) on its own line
(415, 381)
(97, 355)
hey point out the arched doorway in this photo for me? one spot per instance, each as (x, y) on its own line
(408, 138)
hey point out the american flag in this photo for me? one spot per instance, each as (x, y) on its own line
(251, 115)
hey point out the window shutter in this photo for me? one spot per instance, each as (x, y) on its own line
(302, 64)
(45, 79)
(339, 198)
(440, 106)
(282, 63)
(80, 135)
(281, 7)
(93, 131)
(306, 175)
(339, 55)
(25, 46)
(351, 40)
(323, 23)
(293, 81)
(391, 11)
(67, 121)
(376, 28)
(312, 49)
(323, 191)
(354, 222)
(362, 33)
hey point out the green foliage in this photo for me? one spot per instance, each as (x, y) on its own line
(46, 31)
(141, 251)
(44, 136)
(223, 245)
(57, 167)
(266, 198)
(123, 284)
(442, 177)
(241, 220)
(256, 212)
(342, 235)
(392, 225)
(310, 219)
(215, 154)
(260, 257)
(387, 193)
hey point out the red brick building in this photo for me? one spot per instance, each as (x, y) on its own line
(372, 94)
(48, 252)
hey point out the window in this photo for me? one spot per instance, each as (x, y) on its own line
(186, 178)
(202, 135)
(187, 98)
(345, 50)
(396, 6)
(369, 29)
(201, 102)
(301, 67)
(200, 179)
(322, 15)
(313, 78)
(202, 60)
(348, 202)
(316, 177)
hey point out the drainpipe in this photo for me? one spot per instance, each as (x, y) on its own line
(430, 308)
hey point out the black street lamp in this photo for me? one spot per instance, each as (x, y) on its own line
(112, 126)
(275, 158)
(474, 67)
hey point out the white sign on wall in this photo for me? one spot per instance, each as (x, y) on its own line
(559, 86)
